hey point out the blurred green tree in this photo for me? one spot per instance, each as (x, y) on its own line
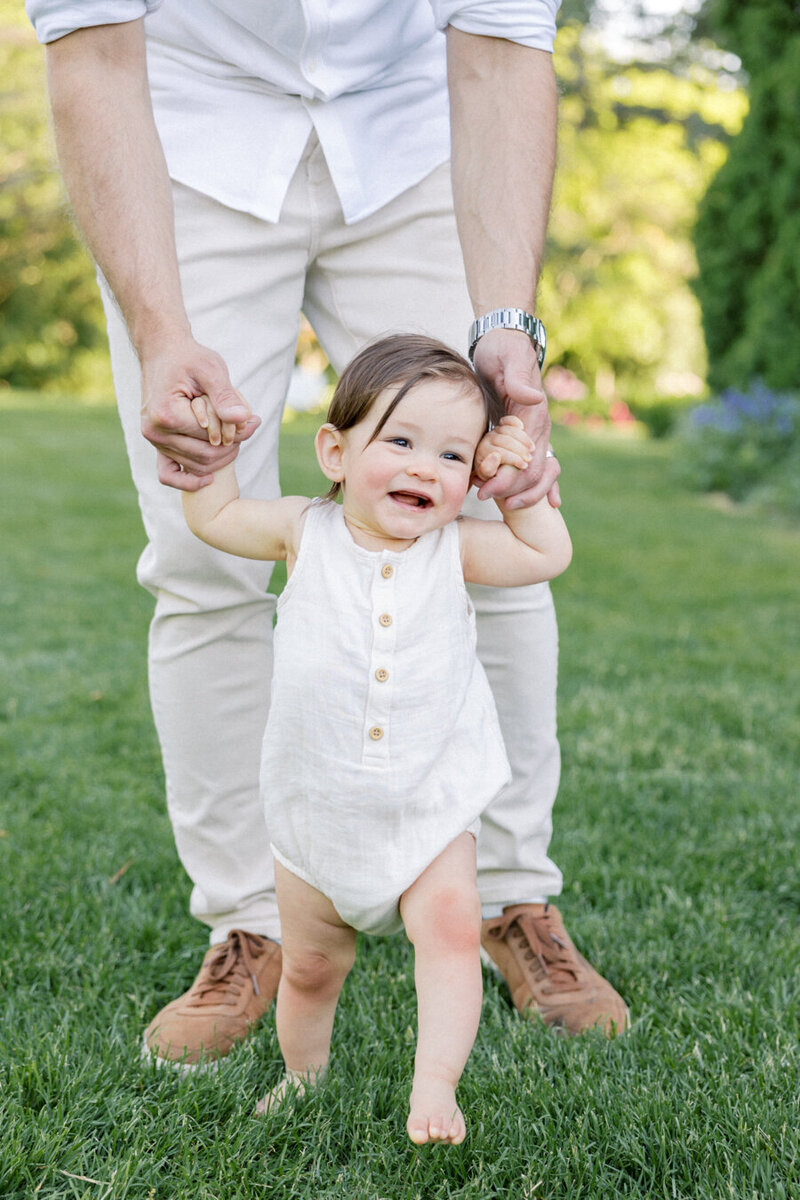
(638, 143)
(748, 229)
(51, 322)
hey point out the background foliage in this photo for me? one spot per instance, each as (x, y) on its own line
(51, 321)
(745, 443)
(638, 146)
(748, 233)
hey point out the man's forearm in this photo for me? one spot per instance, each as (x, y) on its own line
(115, 174)
(503, 117)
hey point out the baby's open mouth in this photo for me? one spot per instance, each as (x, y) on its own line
(411, 499)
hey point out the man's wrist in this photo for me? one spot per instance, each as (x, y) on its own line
(509, 318)
(152, 336)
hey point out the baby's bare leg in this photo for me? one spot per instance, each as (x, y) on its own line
(318, 952)
(442, 915)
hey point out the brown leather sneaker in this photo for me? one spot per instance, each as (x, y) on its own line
(545, 974)
(236, 985)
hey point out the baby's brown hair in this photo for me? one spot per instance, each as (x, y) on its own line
(405, 359)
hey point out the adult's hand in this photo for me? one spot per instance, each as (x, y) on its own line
(506, 359)
(171, 378)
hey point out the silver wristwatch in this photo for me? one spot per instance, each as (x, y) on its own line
(509, 318)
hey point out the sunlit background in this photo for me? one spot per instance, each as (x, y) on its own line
(673, 260)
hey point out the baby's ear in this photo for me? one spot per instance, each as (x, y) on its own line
(329, 445)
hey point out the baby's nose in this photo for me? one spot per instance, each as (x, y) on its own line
(423, 466)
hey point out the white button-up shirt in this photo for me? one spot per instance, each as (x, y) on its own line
(238, 86)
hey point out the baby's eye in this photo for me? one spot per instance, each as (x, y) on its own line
(453, 456)
(398, 441)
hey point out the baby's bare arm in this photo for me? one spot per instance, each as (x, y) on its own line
(532, 544)
(263, 529)
(528, 546)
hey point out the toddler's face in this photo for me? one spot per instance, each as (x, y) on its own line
(415, 475)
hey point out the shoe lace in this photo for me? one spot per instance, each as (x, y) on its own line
(224, 973)
(537, 945)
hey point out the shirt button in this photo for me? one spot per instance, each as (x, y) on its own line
(381, 674)
(387, 570)
(385, 619)
(376, 733)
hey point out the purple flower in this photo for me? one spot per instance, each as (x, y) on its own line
(758, 412)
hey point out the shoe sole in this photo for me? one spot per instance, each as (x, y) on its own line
(184, 1070)
(489, 962)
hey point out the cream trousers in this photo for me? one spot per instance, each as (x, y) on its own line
(246, 282)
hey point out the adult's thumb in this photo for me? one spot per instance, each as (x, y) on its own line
(229, 405)
(519, 387)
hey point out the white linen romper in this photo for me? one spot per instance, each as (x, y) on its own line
(383, 742)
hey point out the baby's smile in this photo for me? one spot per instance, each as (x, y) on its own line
(411, 499)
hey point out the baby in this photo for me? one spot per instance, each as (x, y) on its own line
(383, 746)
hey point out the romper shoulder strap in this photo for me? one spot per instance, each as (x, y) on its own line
(313, 541)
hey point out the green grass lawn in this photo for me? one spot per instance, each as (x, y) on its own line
(676, 827)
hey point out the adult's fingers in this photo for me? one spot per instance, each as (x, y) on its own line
(534, 481)
(195, 455)
(172, 474)
(547, 485)
(193, 450)
(534, 495)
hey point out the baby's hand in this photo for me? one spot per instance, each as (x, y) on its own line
(220, 433)
(507, 445)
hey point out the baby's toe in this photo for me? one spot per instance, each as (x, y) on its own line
(418, 1130)
(458, 1128)
(449, 1128)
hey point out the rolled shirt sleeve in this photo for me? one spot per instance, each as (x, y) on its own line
(53, 19)
(529, 22)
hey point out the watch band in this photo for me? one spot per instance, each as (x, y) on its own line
(509, 318)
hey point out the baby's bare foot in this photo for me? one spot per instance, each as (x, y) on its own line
(278, 1094)
(435, 1116)
(294, 1083)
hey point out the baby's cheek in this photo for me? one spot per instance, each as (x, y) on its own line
(376, 476)
(456, 493)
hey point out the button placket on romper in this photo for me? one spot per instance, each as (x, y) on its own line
(375, 749)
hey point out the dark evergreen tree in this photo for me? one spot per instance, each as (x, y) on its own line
(748, 230)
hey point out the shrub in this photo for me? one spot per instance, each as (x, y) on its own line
(660, 416)
(747, 236)
(746, 444)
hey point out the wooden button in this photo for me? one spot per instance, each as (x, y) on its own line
(387, 570)
(376, 733)
(381, 674)
(385, 619)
